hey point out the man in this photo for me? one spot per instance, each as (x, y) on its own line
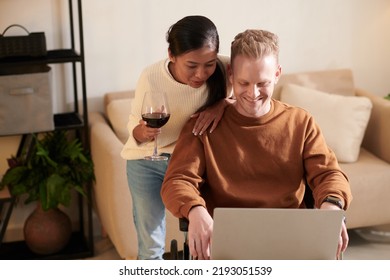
(260, 155)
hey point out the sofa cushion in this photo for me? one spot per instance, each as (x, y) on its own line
(368, 177)
(118, 112)
(342, 119)
(339, 81)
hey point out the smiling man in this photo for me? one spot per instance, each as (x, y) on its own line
(259, 156)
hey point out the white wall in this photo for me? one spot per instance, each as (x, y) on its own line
(123, 36)
(314, 35)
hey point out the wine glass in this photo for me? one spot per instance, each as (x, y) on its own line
(155, 112)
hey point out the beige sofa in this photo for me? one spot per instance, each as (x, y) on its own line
(369, 175)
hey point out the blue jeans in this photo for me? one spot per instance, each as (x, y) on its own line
(145, 179)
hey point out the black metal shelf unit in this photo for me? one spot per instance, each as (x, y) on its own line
(81, 243)
(53, 56)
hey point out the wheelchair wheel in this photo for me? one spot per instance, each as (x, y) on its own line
(186, 251)
(174, 250)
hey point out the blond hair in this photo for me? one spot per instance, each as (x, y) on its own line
(255, 43)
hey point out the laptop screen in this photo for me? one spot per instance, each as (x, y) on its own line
(275, 234)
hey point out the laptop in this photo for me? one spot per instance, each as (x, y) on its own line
(275, 234)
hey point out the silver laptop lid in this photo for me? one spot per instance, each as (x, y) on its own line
(275, 234)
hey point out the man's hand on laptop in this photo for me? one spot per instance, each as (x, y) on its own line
(199, 233)
(344, 238)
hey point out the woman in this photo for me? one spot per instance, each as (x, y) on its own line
(194, 80)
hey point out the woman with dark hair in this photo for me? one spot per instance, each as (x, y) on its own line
(194, 79)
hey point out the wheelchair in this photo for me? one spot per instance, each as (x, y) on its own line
(175, 254)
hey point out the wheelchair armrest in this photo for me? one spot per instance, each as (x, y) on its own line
(183, 224)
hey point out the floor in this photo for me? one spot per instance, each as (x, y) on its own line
(369, 244)
(365, 244)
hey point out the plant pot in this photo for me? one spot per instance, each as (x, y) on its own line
(47, 232)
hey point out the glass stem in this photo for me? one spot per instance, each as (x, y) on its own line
(155, 154)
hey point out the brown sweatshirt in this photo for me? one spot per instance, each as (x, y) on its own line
(253, 162)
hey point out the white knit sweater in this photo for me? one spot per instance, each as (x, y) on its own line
(183, 101)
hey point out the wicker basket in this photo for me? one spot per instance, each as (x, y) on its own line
(33, 44)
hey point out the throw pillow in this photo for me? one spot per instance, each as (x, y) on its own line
(342, 119)
(118, 112)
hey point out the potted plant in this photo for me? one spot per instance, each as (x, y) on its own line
(48, 173)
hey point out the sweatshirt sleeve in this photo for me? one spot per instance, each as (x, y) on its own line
(324, 174)
(183, 179)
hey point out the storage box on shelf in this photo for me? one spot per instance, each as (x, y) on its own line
(26, 102)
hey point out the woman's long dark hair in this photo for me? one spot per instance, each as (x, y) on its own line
(192, 33)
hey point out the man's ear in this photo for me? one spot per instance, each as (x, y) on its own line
(278, 74)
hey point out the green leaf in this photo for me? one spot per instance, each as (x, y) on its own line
(55, 188)
(80, 190)
(14, 176)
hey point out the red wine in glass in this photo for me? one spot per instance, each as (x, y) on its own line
(155, 112)
(156, 120)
